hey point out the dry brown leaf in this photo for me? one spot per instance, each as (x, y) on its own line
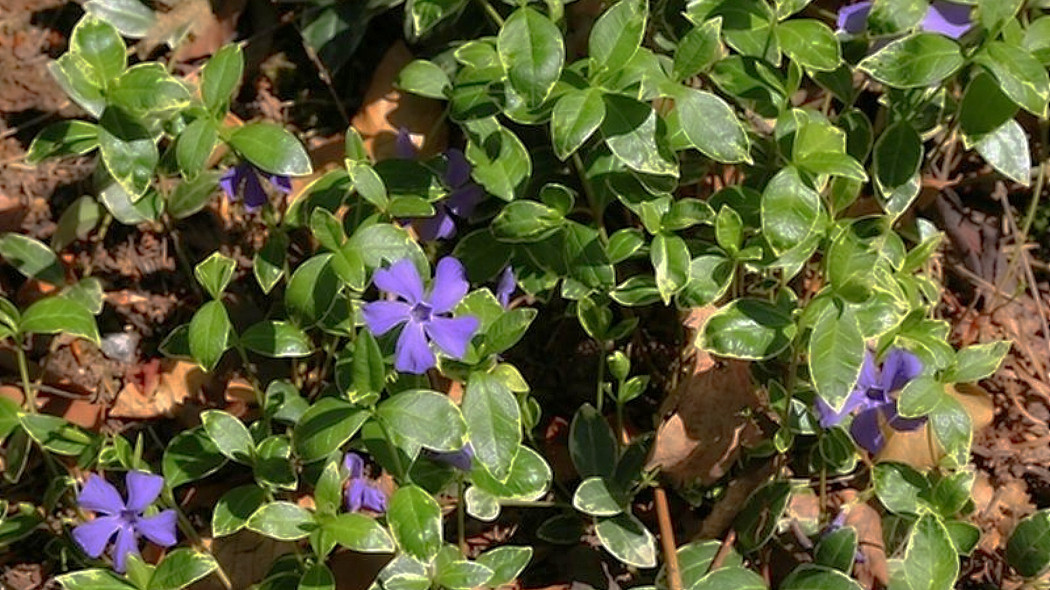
(728, 505)
(208, 26)
(873, 571)
(999, 506)
(177, 382)
(245, 557)
(708, 423)
(386, 110)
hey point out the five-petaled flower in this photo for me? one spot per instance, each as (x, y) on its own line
(125, 520)
(247, 175)
(464, 196)
(427, 317)
(361, 492)
(871, 397)
(947, 18)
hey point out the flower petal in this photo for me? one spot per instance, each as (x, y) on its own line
(355, 494)
(373, 499)
(440, 226)
(867, 432)
(98, 495)
(254, 193)
(898, 369)
(354, 464)
(506, 287)
(829, 417)
(143, 489)
(457, 171)
(452, 335)
(948, 18)
(231, 179)
(413, 354)
(404, 147)
(159, 528)
(401, 279)
(127, 543)
(853, 19)
(869, 372)
(898, 422)
(464, 200)
(449, 286)
(94, 535)
(281, 183)
(382, 316)
(462, 459)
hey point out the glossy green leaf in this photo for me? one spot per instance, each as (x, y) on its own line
(977, 362)
(426, 417)
(271, 148)
(59, 314)
(836, 353)
(424, 78)
(627, 539)
(592, 445)
(148, 89)
(1020, 75)
(790, 210)
(317, 577)
(195, 145)
(209, 334)
(312, 289)
(268, 263)
(131, 17)
(128, 150)
(811, 43)
(190, 455)
(358, 532)
(531, 48)
(893, 17)
(57, 435)
(415, 520)
(180, 568)
(100, 45)
(74, 75)
(493, 421)
(234, 508)
(530, 477)
(214, 273)
(898, 155)
(617, 34)
(324, 428)
(277, 339)
(1006, 149)
(813, 577)
(506, 562)
(630, 131)
(953, 429)
(594, 498)
(711, 126)
(1028, 550)
(671, 261)
(576, 116)
(64, 138)
(915, 61)
(837, 549)
(899, 487)
(220, 77)
(32, 258)
(230, 435)
(700, 48)
(281, 520)
(526, 221)
(748, 329)
(930, 561)
(94, 579)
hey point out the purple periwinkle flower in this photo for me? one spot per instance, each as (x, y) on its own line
(871, 397)
(246, 175)
(462, 459)
(506, 286)
(124, 519)
(360, 491)
(427, 317)
(947, 18)
(464, 197)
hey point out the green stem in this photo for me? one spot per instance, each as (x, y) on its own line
(491, 12)
(23, 370)
(187, 529)
(461, 519)
(260, 397)
(600, 394)
(592, 197)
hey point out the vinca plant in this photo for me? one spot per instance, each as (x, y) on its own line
(762, 160)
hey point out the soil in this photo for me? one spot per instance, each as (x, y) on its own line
(149, 292)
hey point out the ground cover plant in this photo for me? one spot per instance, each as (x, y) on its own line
(628, 293)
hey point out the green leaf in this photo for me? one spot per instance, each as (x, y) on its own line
(526, 221)
(268, 263)
(811, 43)
(180, 568)
(530, 477)
(283, 521)
(426, 417)
(627, 539)
(930, 561)
(790, 210)
(977, 362)
(592, 445)
(147, 89)
(32, 258)
(234, 508)
(1037, 39)
(415, 520)
(892, 17)
(130, 17)
(836, 353)
(531, 48)
(594, 498)
(455, 573)
(506, 562)
(220, 77)
(585, 256)
(501, 163)
(757, 520)
(325, 427)
(617, 34)
(271, 148)
(358, 532)
(191, 455)
(915, 61)
(814, 577)
(328, 491)
(312, 289)
(953, 429)
(214, 273)
(76, 223)
(700, 48)
(837, 550)
(93, 579)
(748, 329)
(576, 116)
(424, 78)
(493, 421)
(481, 505)
(920, 396)
(729, 229)
(899, 487)
(1020, 75)
(64, 138)
(57, 435)
(384, 243)
(277, 340)
(190, 196)
(994, 14)
(317, 577)
(952, 493)
(670, 258)
(1028, 550)
(984, 107)
(75, 75)
(506, 331)
(711, 126)
(709, 279)
(100, 45)
(9, 410)
(231, 436)
(898, 155)
(736, 578)
(273, 466)
(195, 145)
(128, 150)
(209, 334)
(630, 131)
(58, 314)
(1006, 149)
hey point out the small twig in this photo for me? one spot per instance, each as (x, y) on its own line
(667, 542)
(723, 551)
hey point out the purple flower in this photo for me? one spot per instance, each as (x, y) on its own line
(947, 18)
(462, 201)
(123, 519)
(871, 397)
(462, 459)
(506, 286)
(427, 317)
(246, 175)
(360, 492)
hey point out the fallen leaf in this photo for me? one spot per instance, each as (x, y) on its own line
(386, 110)
(732, 500)
(873, 571)
(177, 382)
